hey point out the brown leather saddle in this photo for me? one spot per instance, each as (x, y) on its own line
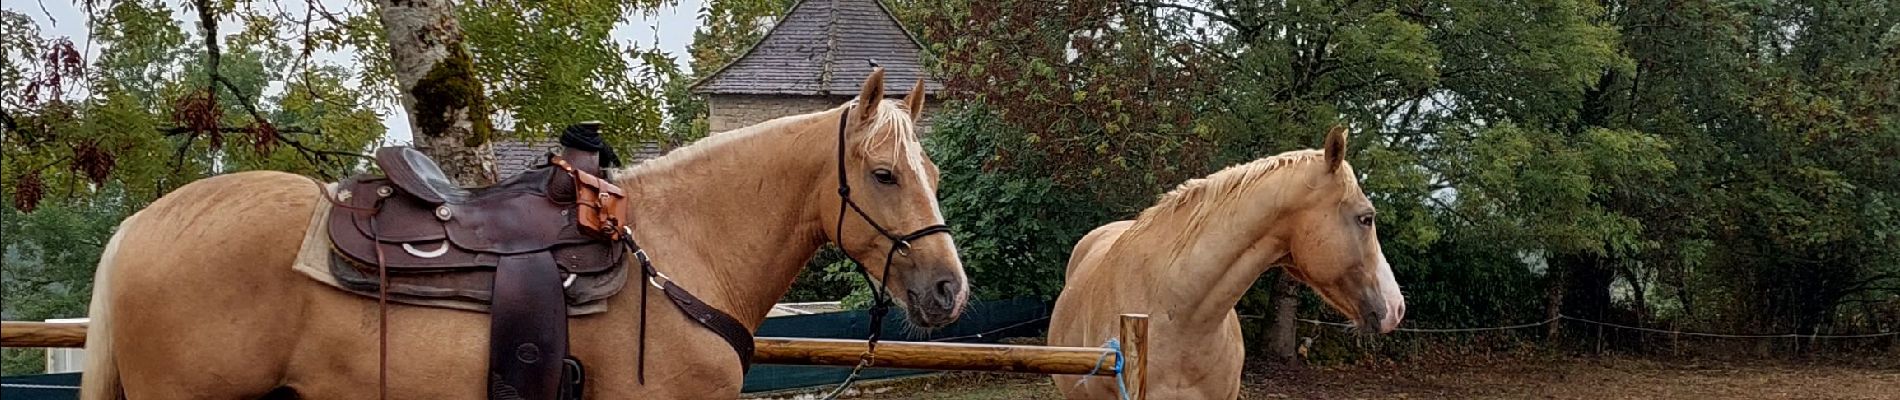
(517, 245)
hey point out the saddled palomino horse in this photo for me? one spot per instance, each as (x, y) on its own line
(196, 297)
(1187, 260)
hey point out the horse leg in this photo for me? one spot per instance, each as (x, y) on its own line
(198, 284)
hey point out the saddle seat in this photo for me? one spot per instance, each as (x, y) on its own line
(529, 251)
(419, 174)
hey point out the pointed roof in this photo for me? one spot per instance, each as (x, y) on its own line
(824, 47)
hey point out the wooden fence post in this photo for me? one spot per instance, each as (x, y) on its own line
(1135, 348)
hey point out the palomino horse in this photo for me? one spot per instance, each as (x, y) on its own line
(197, 299)
(1187, 260)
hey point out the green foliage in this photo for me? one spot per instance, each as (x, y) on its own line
(49, 256)
(73, 166)
(1101, 103)
(1702, 163)
(1015, 227)
(547, 64)
(727, 29)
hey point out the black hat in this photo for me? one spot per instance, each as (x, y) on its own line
(586, 136)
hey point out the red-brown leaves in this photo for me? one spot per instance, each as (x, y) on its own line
(199, 114)
(94, 162)
(28, 191)
(1101, 94)
(60, 65)
(263, 137)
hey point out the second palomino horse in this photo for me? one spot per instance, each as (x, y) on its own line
(1187, 260)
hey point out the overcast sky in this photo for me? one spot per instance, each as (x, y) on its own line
(670, 28)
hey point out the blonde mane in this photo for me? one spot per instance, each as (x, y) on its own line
(901, 136)
(1219, 186)
(890, 118)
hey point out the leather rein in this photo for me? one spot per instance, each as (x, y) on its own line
(736, 333)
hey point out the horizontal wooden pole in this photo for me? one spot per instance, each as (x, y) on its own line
(772, 350)
(937, 356)
(42, 334)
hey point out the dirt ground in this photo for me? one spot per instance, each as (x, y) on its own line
(1566, 378)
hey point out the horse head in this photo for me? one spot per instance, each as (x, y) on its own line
(888, 218)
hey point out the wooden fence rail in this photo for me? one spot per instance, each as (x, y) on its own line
(42, 334)
(833, 352)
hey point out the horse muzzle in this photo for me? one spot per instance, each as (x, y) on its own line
(937, 300)
(1382, 313)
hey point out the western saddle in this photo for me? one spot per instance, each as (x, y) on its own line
(517, 246)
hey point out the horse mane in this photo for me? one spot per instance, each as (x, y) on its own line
(1222, 185)
(888, 115)
(894, 119)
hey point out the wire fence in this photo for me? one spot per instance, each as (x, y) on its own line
(1561, 318)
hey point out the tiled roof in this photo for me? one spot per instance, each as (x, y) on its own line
(824, 47)
(513, 156)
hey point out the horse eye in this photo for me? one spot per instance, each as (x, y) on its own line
(884, 176)
(1365, 220)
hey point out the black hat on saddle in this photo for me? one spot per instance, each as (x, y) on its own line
(585, 137)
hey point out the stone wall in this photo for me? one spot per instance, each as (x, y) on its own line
(728, 112)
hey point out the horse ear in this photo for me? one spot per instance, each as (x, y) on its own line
(915, 101)
(872, 93)
(1336, 147)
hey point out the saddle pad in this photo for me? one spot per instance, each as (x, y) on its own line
(316, 260)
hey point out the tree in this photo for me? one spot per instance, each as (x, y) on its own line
(435, 73)
(1779, 219)
(86, 142)
(727, 29)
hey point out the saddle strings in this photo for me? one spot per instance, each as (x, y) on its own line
(382, 286)
(382, 306)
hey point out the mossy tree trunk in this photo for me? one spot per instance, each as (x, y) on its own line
(447, 111)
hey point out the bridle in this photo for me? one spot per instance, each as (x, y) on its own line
(735, 333)
(880, 293)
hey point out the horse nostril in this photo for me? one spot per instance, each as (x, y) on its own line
(946, 291)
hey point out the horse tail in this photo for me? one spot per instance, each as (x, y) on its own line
(1089, 241)
(100, 378)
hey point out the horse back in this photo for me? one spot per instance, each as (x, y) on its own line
(1101, 238)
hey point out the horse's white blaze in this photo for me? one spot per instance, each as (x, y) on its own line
(1389, 292)
(936, 210)
(917, 168)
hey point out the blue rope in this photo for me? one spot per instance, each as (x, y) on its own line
(1121, 381)
(1115, 349)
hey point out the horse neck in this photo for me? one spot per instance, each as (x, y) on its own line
(1209, 253)
(736, 221)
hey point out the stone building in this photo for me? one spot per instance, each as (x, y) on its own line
(815, 58)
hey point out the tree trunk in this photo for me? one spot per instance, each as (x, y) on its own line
(1554, 304)
(1283, 342)
(448, 112)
